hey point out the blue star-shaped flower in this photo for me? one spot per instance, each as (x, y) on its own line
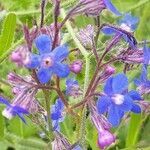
(13, 110)
(48, 62)
(143, 83)
(117, 100)
(127, 24)
(56, 114)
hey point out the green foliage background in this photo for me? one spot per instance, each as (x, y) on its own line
(13, 13)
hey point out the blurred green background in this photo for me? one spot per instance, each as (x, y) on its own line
(16, 135)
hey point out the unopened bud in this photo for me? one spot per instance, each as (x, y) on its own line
(19, 56)
(105, 139)
(76, 66)
(109, 70)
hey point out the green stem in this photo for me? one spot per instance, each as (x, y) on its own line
(49, 123)
(72, 33)
(87, 73)
(86, 80)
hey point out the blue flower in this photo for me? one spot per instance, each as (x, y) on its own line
(48, 62)
(127, 25)
(56, 114)
(117, 100)
(143, 83)
(129, 22)
(12, 111)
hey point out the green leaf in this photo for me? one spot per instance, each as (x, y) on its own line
(91, 135)
(7, 34)
(143, 28)
(18, 143)
(21, 129)
(134, 129)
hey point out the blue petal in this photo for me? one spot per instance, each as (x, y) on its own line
(130, 21)
(129, 39)
(136, 108)
(143, 76)
(119, 83)
(108, 30)
(21, 117)
(114, 116)
(56, 115)
(137, 82)
(134, 95)
(77, 148)
(34, 61)
(18, 109)
(44, 75)
(111, 7)
(146, 54)
(127, 104)
(43, 43)
(108, 86)
(55, 125)
(103, 104)
(60, 52)
(59, 104)
(4, 101)
(61, 70)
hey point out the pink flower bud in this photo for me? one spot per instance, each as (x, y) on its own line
(105, 139)
(109, 70)
(76, 66)
(19, 56)
(16, 90)
(11, 76)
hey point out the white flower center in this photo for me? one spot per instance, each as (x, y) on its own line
(126, 27)
(118, 99)
(7, 113)
(47, 62)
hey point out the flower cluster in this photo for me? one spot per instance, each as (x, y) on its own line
(59, 84)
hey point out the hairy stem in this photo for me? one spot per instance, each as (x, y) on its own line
(49, 123)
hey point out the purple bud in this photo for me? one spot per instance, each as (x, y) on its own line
(86, 36)
(132, 57)
(109, 70)
(76, 66)
(20, 55)
(105, 139)
(91, 7)
(16, 90)
(60, 142)
(11, 76)
(15, 56)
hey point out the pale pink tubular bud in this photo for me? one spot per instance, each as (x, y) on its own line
(20, 55)
(76, 66)
(105, 139)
